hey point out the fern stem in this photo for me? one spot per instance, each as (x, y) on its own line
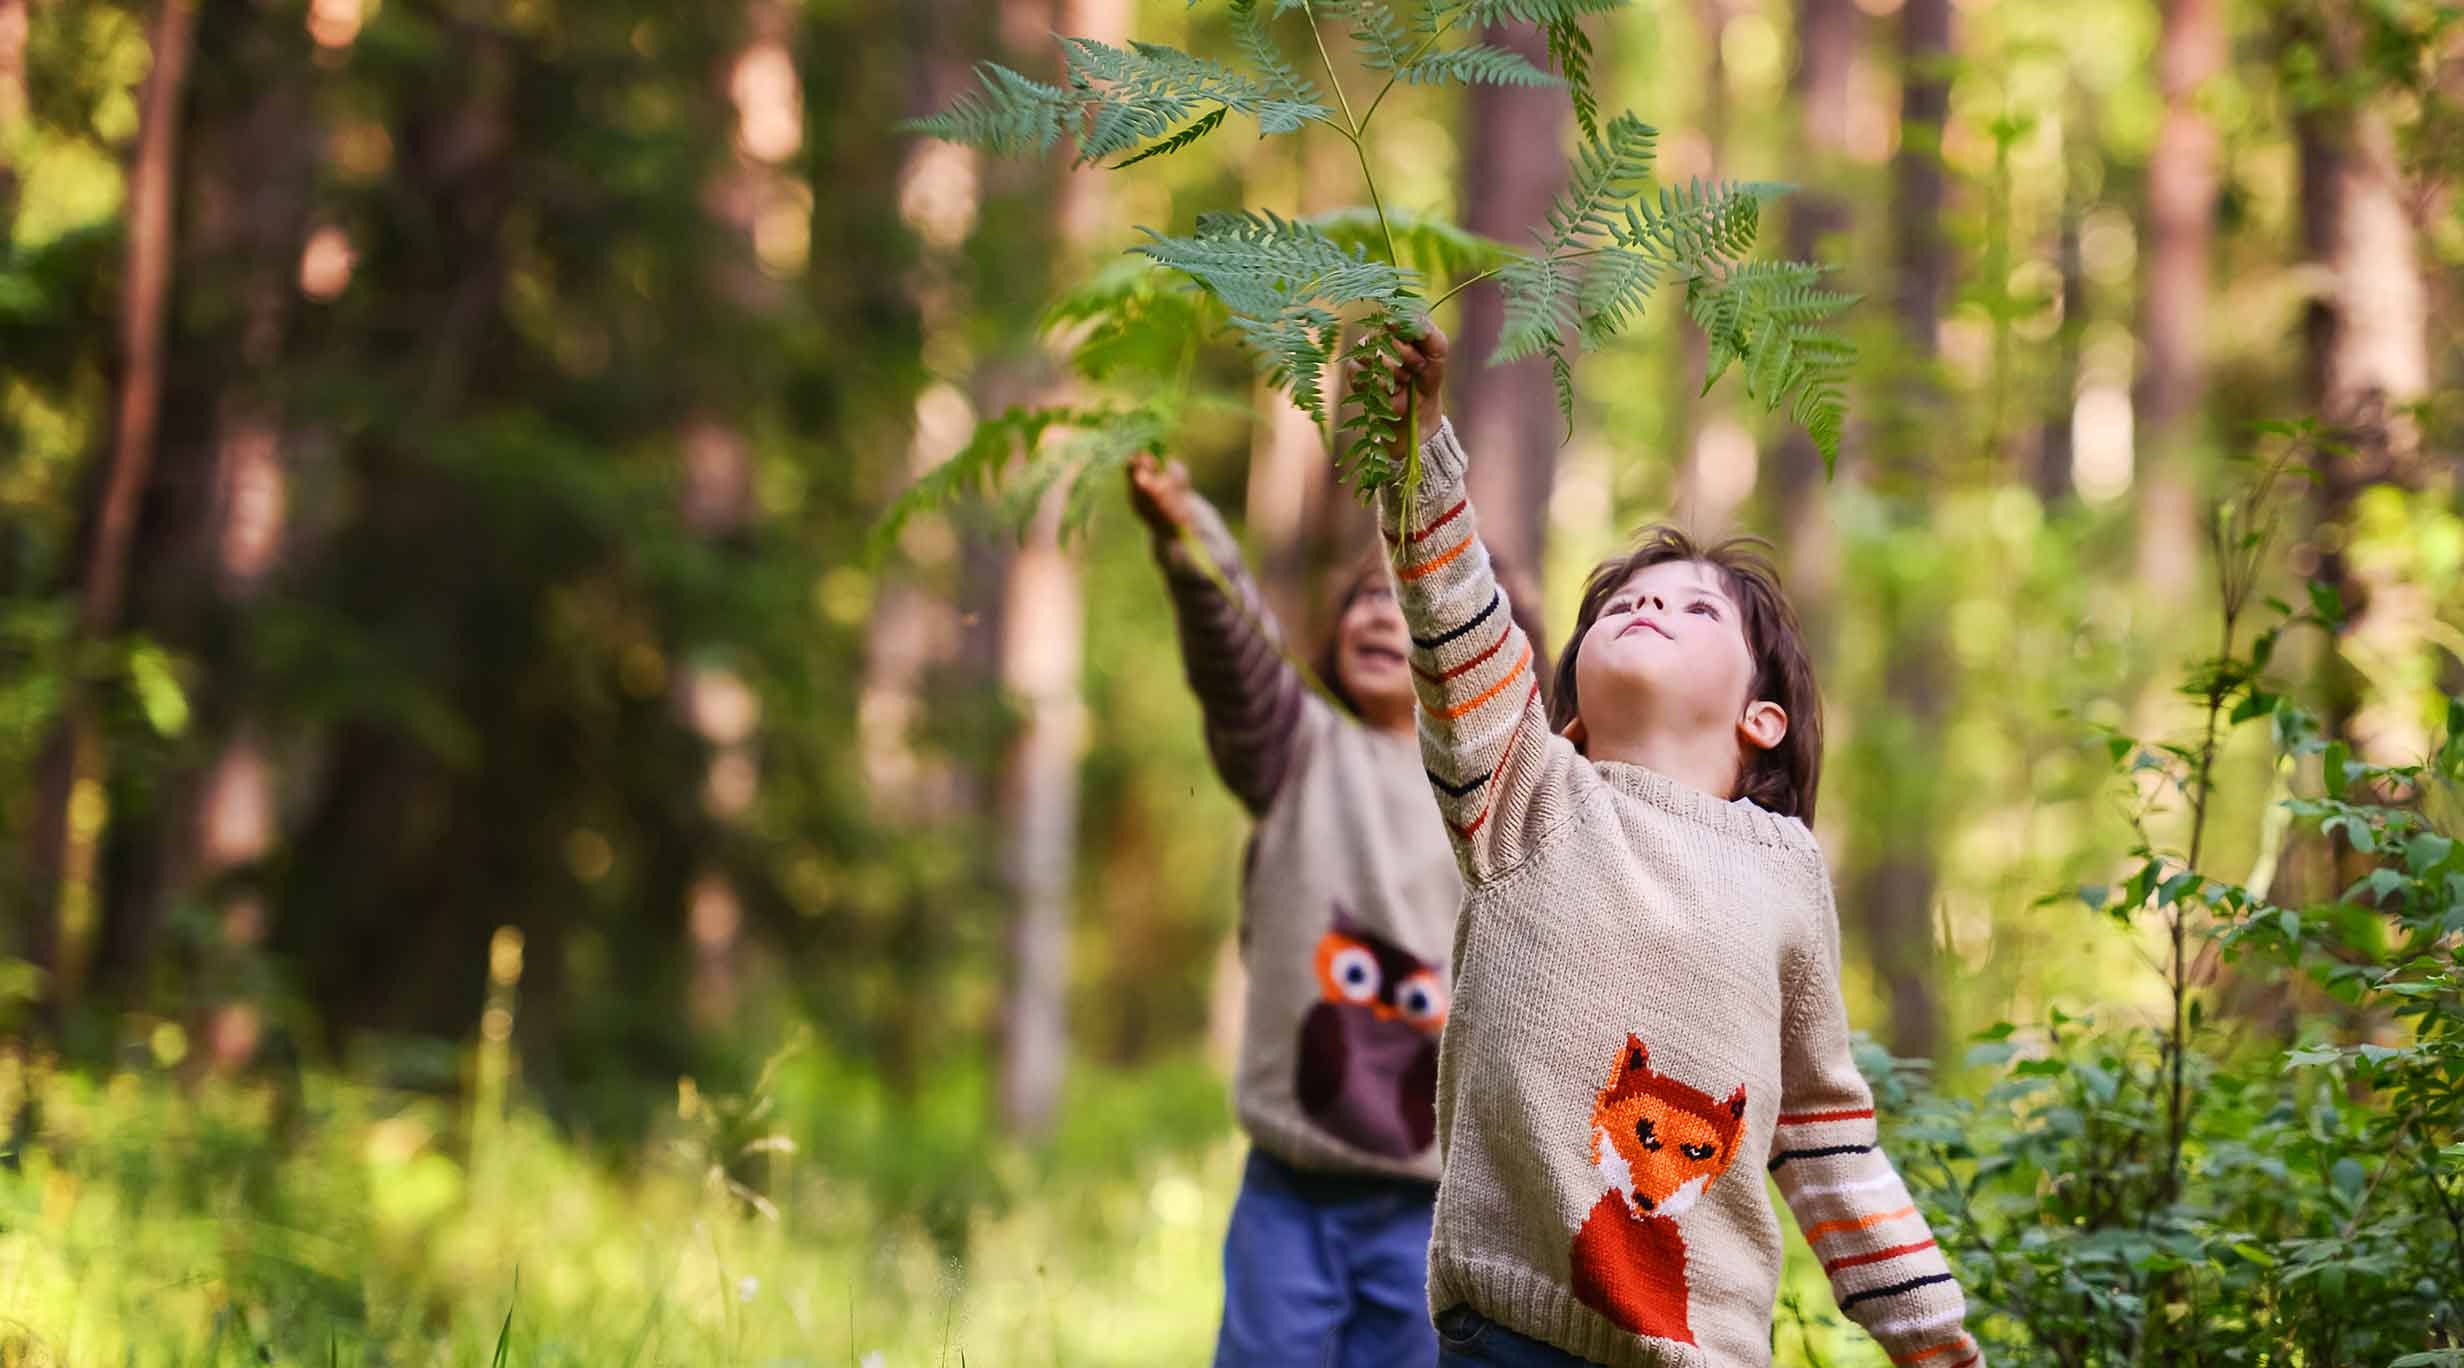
(1459, 287)
(1351, 132)
(1468, 281)
(1397, 74)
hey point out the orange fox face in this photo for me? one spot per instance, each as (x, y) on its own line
(1658, 1141)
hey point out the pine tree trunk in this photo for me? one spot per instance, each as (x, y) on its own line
(2367, 351)
(1514, 143)
(1896, 893)
(2181, 229)
(253, 172)
(72, 761)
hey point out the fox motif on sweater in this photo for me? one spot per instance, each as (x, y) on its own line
(1658, 1143)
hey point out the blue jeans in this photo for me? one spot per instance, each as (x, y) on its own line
(1467, 1339)
(1326, 1272)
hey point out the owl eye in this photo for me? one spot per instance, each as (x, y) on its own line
(1354, 973)
(1421, 1001)
(1698, 1151)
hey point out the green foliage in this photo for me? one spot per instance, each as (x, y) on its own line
(1291, 289)
(2124, 1192)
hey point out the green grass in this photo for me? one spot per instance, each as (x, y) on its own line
(151, 1224)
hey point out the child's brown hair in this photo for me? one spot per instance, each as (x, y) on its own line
(1785, 777)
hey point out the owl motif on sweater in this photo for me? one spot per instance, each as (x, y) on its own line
(1367, 1073)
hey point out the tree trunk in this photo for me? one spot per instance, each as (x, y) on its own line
(2056, 446)
(2181, 228)
(64, 828)
(1829, 34)
(1513, 165)
(1041, 654)
(13, 25)
(1896, 893)
(2368, 357)
(253, 177)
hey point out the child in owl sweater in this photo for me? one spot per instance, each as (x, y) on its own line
(1348, 902)
(1647, 1014)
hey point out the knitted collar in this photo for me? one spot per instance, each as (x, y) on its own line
(1740, 817)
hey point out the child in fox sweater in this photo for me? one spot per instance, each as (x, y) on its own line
(1647, 1012)
(1347, 907)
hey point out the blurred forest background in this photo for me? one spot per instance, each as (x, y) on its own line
(490, 861)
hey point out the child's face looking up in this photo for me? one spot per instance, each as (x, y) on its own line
(1370, 641)
(1668, 656)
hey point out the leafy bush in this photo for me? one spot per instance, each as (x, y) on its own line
(2178, 1192)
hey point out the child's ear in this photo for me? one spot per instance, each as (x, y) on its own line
(1764, 725)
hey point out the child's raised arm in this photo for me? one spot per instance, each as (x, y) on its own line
(1502, 779)
(1885, 1270)
(1248, 690)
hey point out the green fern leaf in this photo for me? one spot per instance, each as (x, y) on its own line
(1561, 377)
(1540, 307)
(973, 470)
(1609, 170)
(1431, 246)
(1570, 52)
(1006, 114)
(1384, 46)
(1615, 284)
(1283, 283)
(1478, 64)
(1478, 12)
(1281, 77)
(1207, 123)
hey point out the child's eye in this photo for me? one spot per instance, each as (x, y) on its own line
(1616, 606)
(1707, 610)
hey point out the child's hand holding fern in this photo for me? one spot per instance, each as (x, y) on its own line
(1417, 365)
(1159, 493)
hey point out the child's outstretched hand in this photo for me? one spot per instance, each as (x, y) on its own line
(1423, 367)
(1160, 494)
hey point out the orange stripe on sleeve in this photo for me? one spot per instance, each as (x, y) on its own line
(1860, 1260)
(1493, 690)
(1949, 1346)
(1856, 1223)
(1437, 562)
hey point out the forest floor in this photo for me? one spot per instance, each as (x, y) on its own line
(151, 1225)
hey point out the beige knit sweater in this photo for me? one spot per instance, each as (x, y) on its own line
(1348, 893)
(1647, 1019)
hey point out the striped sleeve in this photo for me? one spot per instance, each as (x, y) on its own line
(1231, 648)
(1501, 778)
(1885, 1270)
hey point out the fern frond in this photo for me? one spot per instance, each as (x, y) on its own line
(1133, 319)
(1281, 77)
(1609, 170)
(1540, 307)
(1384, 46)
(1431, 246)
(1570, 52)
(1478, 64)
(1703, 226)
(1615, 283)
(1535, 11)
(1207, 123)
(1561, 378)
(1283, 283)
(1006, 114)
(1767, 315)
(975, 469)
